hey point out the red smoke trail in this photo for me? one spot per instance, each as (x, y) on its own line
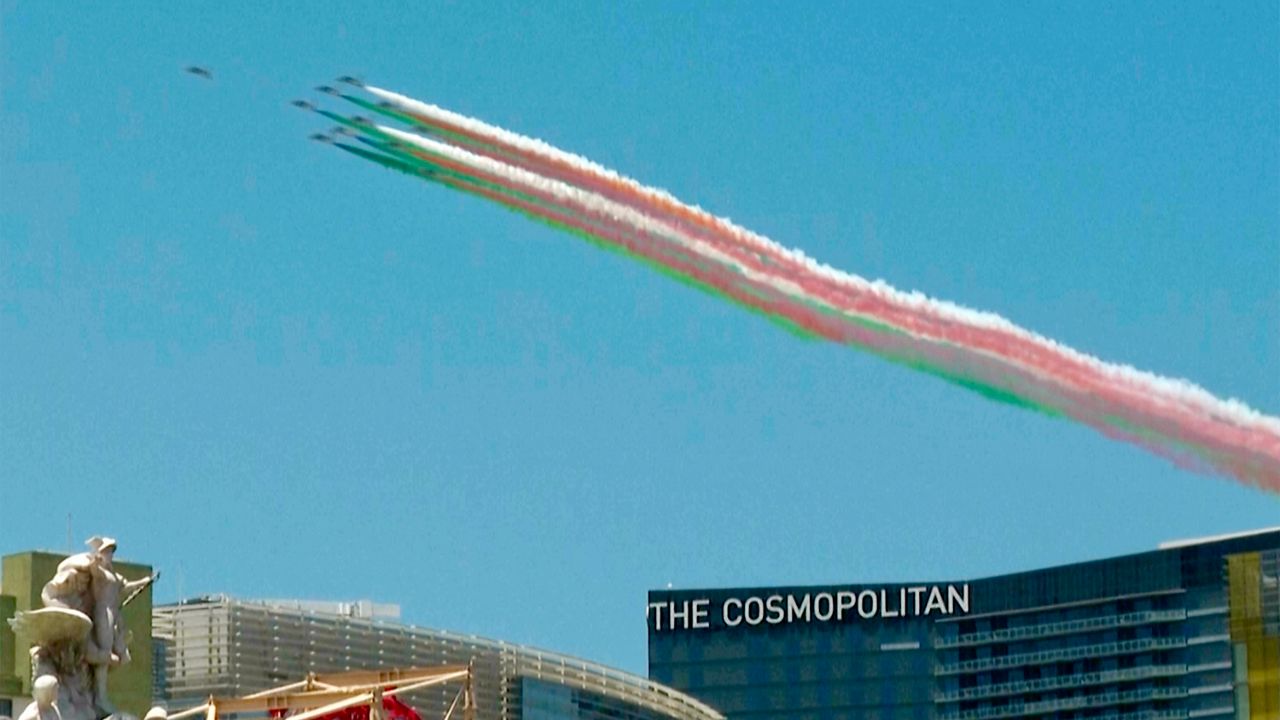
(1175, 418)
(1106, 396)
(673, 255)
(997, 371)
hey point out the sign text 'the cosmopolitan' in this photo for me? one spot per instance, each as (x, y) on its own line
(837, 606)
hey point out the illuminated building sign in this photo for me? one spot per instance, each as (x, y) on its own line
(836, 606)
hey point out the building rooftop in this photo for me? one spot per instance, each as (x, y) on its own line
(1172, 544)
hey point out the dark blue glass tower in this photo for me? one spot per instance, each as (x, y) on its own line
(1191, 630)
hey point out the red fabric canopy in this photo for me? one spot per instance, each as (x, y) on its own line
(392, 709)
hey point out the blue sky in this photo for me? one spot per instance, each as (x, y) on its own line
(272, 370)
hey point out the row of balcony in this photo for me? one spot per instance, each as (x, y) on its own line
(1078, 652)
(1062, 682)
(1036, 709)
(1065, 627)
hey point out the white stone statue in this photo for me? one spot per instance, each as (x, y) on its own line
(80, 635)
(44, 693)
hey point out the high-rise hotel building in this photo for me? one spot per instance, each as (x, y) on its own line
(1191, 630)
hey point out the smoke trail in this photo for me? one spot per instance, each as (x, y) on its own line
(522, 193)
(553, 162)
(978, 350)
(1140, 410)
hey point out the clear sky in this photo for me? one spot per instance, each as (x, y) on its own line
(273, 370)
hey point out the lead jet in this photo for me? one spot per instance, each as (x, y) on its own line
(201, 72)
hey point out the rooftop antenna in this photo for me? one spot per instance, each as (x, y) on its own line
(70, 546)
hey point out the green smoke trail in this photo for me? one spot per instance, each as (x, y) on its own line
(1000, 363)
(400, 159)
(449, 136)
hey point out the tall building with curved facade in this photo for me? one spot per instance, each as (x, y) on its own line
(226, 647)
(1190, 630)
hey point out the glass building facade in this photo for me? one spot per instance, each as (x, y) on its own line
(227, 647)
(1191, 630)
(542, 700)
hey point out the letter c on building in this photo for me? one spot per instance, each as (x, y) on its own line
(724, 612)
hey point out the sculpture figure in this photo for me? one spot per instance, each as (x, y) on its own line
(80, 634)
(44, 693)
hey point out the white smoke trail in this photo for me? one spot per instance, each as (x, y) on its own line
(597, 204)
(1182, 392)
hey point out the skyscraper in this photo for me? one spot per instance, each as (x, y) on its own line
(1191, 630)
